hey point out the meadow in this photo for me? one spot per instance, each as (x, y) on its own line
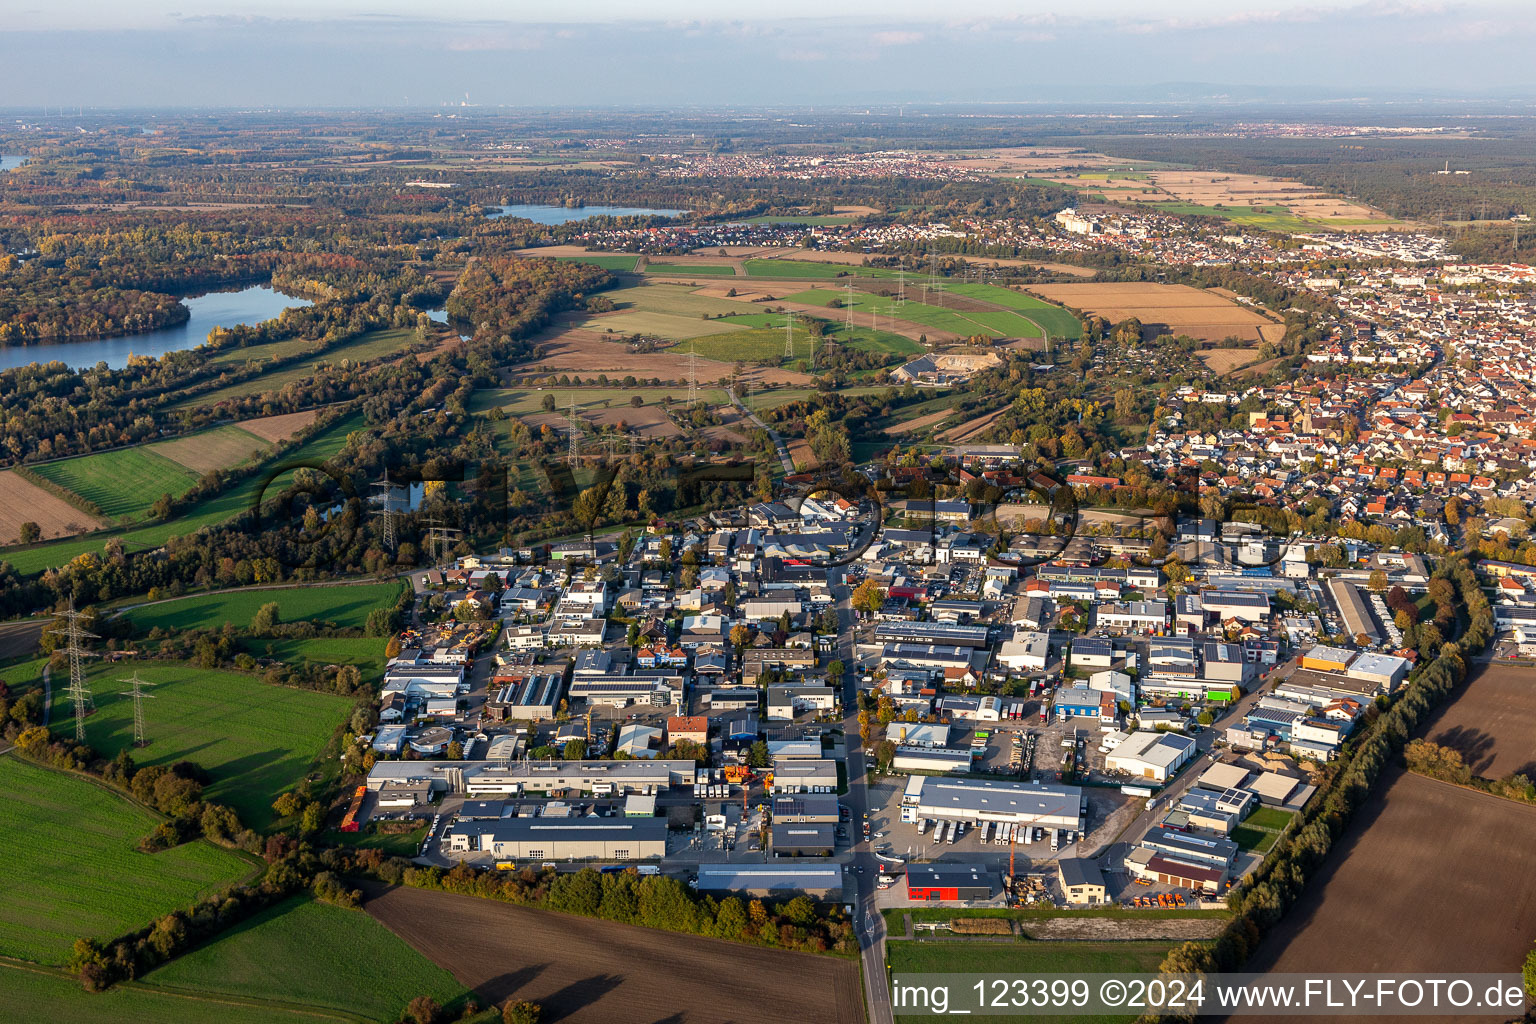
(35, 996)
(309, 953)
(219, 448)
(366, 652)
(122, 483)
(691, 269)
(759, 338)
(964, 322)
(616, 262)
(72, 867)
(344, 606)
(1060, 323)
(524, 401)
(255, 740)
(209, 512)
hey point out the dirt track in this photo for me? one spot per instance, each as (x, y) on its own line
(583, 970)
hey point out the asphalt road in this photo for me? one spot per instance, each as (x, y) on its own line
(868, 922)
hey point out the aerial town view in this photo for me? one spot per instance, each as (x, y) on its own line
(799, 515)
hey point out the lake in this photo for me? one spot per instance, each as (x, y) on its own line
(9, 162)
(216, 309)
(540, 214)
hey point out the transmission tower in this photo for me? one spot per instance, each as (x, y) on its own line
(901, 286)
(387, 511)
(572, 434)
(693, 375)
(813, 351)
(440, 540)
(789, 336)
(848, 303)
(634, 443)
(138, 695)
(79, 692)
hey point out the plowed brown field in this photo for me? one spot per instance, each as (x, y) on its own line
(585, 971)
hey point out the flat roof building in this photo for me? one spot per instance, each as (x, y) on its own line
(561, 838)
(978, 800)
(1081, 881)
(1151, 755)
(801, 839)
(951, 882)
(784, 879)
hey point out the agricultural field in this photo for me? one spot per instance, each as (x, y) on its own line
(587, 971)
(1491, 722)
(523, 401)
(122, 483)
(659, 325)
(23, 675)
(220, 448)
(1167, 309)
(73, 869)
(587, 353)
(22, 501)
(312, 954)
(209, 512)
(35, 996)
(346, 606)
(808, 269)
(963, 318)
(691, 269)
(1453, 862)
(677, 299)
(617, 262)
(1052, 319)
(910, 956)
(364, 348)
(278, 428)
(282, 349)
(255, 739)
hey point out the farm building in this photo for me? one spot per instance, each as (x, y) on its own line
(802, 840)
(1151, 755)
(951, 882)
(978, 800)
(823, 881)
(561, 838)
(1081, 880)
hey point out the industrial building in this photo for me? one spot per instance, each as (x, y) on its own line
(806, 809)
(935, 634)
(942, 881)
(784, 880)
(1081, 881)
(561, 838)
(533, 698)
(978, 800)
(802, 840)
(931, 759)
(804, 776)
(1353, 609)
(1089, 652)
(1146, 754)
(518, 778)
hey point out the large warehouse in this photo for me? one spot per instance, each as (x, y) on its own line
(561, 838)
(516, 778)
(823, 881)
(1152, 755)
(978, 800)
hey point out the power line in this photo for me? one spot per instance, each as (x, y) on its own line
(138, 695)
(693, 375)
(572, 434)
(79, 692)
(789, 335)
(387, 511)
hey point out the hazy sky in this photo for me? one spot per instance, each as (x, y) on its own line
(582, 52)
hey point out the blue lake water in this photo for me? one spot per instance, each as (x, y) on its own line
(9, 162)
(540, 214)
(216, 309)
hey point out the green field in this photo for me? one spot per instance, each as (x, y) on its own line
(1059, 322)
(866, 306)
(622, 262)
(691, 269)
(365, 347)
(345, 606)
(649, 322)
(779, 218)
(255, 740)
(809, 270)
(34, 996)
(522, 402)
(122, 483)
(366, 652)
(1271, 818)
(23, 675)
(760, 339)
(919, 957)
(395, 844)
(281, 349)
(72, 868)
(208, 512)
(1254, 839)
(760, 400)
(313, 954)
